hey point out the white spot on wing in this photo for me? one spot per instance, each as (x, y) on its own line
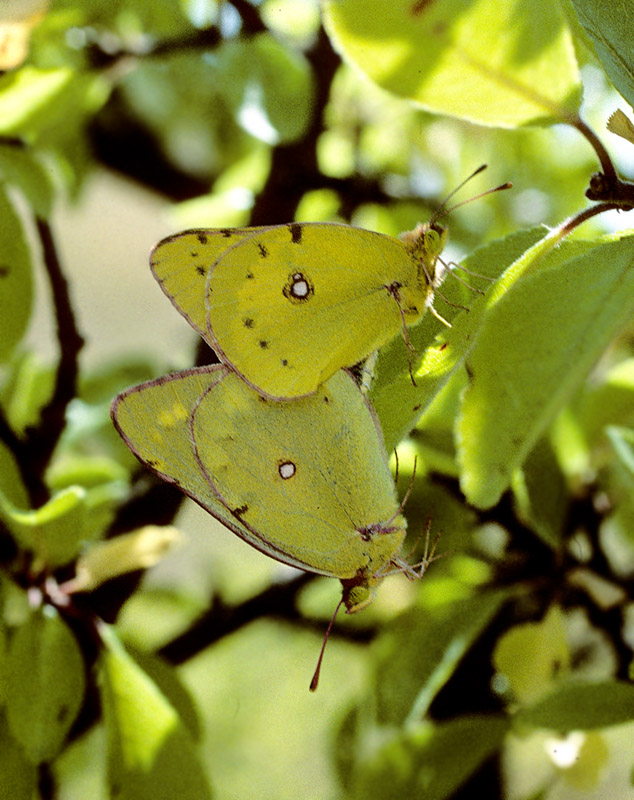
(287, 469)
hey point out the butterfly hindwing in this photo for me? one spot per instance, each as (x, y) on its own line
(181, 263)
(232, 451)
(306, 477)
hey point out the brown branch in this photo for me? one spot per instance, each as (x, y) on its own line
(41, 440)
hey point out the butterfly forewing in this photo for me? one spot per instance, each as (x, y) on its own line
(290, 305)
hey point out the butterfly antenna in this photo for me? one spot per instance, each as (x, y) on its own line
(396, 465)
(499, 188)
(315, 681)
(441, 210)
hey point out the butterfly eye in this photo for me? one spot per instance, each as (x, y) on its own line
(298, 288)
(286, 469)
(434, 240)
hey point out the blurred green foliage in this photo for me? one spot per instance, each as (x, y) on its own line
(506, 672)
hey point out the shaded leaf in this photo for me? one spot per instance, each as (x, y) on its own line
(422, 650)
(581, 706)
(430, 761)
(45, 684)
(16, 280)
(540, 340)
(608, 25)
(18, 776)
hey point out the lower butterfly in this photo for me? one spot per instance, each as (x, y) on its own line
(307, 483)
(286, 306)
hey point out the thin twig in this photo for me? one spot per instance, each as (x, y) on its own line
(41, 440)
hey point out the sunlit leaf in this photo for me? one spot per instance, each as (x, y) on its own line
(494, 63)
(150, 753)
(126, 553)
(399, 404)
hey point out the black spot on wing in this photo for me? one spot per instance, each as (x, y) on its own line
(263, 344)
(263, 250)
(240, 511)
(250, 276)
(202, 238)
(226, 232)
(296, 232)
(248, 322)
(284, 362)
(200, 270)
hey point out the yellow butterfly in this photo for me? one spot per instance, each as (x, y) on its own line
(307, 483)
(286, 306)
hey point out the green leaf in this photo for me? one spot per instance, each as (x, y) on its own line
(610, 402)
(532, 655)
(422, 650)
(11, 485)
(622, 440)
(608, 26)
(19, 166)
(269, 88)
(150, 752)
(29, 387)
(399, 404)
(48, 105)
(16, 279)
(581, 706)
(541, 493)
(128, 552)
(18, 776)
(56, 530)
(430, 762)
(3, 663)
(27, 94)
(539, 341)
(45, 684)
(504, 64)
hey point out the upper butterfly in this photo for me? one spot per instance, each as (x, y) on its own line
(287, 306)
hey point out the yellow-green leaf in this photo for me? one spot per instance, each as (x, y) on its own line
(151, 755)
(495, 63)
